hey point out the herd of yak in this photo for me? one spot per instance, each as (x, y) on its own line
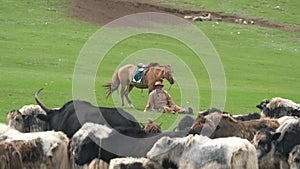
(79, 135)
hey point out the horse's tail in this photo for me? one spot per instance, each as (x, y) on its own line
(113, 86)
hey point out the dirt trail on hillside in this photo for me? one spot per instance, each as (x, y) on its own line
(102, 12)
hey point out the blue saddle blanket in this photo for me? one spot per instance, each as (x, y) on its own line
(138, 75)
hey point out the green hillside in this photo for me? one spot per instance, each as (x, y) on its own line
(40, 43)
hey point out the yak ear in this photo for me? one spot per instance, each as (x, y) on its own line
(43, 117)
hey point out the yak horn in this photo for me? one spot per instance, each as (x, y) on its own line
(44, 107)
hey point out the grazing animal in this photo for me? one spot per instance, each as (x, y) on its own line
(45, 150)
(113, 143)
(124, 76)
(10, 157)
(294, 158)
(217, 125)
(279, 107)
(184, 124)
(206, 17)
(198, 151)
(152, 127)
(273, 148)
(73, 114)
(25, 120)
(133, 163)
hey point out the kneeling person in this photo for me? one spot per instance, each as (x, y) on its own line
(161, 101)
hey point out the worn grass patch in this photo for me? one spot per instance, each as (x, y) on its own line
(284, 12)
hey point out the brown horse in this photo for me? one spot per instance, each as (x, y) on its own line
(125, 74)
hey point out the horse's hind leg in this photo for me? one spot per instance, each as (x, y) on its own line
(130, 87)
(122, 94)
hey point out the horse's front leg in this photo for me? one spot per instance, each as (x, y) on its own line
(150, 88)
(149, 91)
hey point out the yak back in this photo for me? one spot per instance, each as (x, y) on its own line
(222, 125)
(135, 143)
(75, 113)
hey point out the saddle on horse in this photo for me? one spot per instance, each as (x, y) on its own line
(139, 73)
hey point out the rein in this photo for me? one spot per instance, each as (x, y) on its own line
(165, 72)
(170, 87)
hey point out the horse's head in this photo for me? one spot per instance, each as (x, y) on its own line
(169, 74)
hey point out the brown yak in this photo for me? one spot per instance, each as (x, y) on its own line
(217, 125)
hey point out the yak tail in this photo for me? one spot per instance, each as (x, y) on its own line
(113, 86)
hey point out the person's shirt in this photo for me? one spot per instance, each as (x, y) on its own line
(158, 99)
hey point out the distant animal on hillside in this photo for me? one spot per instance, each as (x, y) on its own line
(72, 115)
(206, 17)
(125, 75)
(279, 107)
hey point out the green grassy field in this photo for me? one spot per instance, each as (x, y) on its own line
(40, 43)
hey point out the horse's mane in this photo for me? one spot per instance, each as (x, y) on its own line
(153, 64)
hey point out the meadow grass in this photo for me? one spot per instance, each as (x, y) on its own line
(40, 43)
(39, 46)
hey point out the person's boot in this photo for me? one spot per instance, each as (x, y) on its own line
(190, 110)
